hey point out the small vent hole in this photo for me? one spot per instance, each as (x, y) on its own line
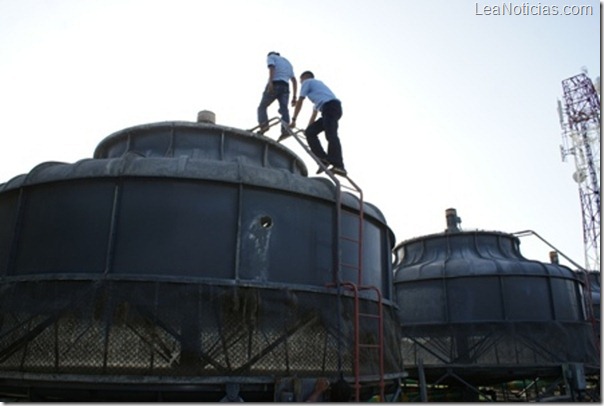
(266, 222)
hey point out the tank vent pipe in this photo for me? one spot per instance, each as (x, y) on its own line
(553, 257)
(452, 221)
(206, 116)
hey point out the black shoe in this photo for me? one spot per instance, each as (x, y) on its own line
(284, 135)
(339, 171)
(262, 130)
(326, 163)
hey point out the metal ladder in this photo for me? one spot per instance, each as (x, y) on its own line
(355, 286)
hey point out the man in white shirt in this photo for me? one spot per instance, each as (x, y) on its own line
(280, 73)
(324, 101)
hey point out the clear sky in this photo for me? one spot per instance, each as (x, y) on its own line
(444, 105)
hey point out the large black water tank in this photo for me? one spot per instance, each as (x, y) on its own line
(181, 256)
(472, 304)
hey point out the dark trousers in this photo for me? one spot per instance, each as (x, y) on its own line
(330, 115)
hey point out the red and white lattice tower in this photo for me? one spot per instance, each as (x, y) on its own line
(580, 121)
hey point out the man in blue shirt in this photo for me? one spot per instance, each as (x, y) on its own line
(331, 110)
(280, 72)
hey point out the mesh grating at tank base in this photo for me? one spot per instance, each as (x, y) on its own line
(498, 352)
(158, 330)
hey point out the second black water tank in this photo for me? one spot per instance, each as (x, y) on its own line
(469, 300)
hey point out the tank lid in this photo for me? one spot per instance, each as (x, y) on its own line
(199, 141)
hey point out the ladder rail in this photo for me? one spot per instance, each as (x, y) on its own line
(355, 286)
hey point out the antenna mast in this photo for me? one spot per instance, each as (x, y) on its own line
(580, 122)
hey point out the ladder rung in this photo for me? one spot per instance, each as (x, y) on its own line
(349, 239)
(271, 122)
(351, 266)
(370, 315)
(350, 188)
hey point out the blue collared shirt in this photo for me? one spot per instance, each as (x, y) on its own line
(283, 69)
(317, 92)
